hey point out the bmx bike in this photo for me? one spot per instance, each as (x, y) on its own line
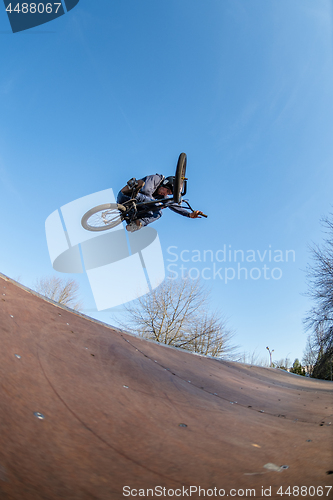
(109, 215)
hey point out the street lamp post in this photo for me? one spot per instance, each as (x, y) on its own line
(270, 355)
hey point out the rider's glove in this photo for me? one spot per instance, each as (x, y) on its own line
(196, 214)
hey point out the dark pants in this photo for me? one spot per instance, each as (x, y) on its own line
(149, 217)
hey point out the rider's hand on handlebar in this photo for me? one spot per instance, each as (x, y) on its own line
(196, 214)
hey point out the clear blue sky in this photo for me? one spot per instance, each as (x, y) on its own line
(118, 89)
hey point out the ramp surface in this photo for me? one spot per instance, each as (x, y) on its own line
(88, 412)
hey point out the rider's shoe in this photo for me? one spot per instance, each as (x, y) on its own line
(134, 226)
(140, 185)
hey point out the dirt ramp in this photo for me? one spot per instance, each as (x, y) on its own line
(88, 412)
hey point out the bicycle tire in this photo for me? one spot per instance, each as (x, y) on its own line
(103, 217)
(179, 177)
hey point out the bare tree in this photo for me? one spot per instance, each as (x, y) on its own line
(208, 334)
(64, 291)
(176, 313)
(320, 318)
(283, 364)
(310, 355)
(253, 358)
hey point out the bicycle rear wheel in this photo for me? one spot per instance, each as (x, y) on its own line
(179, 177)
(103, 217)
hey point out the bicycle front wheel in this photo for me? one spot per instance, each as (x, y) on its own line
(179, 177)
(103, 217)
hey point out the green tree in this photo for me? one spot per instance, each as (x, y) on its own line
(297, 368)
(323, 367)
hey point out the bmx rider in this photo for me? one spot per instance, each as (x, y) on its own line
(154, 187)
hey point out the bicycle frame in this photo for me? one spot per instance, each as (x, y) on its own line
(132, 205)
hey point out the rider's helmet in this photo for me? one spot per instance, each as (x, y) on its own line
(168, 182)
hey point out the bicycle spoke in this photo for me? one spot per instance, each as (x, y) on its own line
(103, 218)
